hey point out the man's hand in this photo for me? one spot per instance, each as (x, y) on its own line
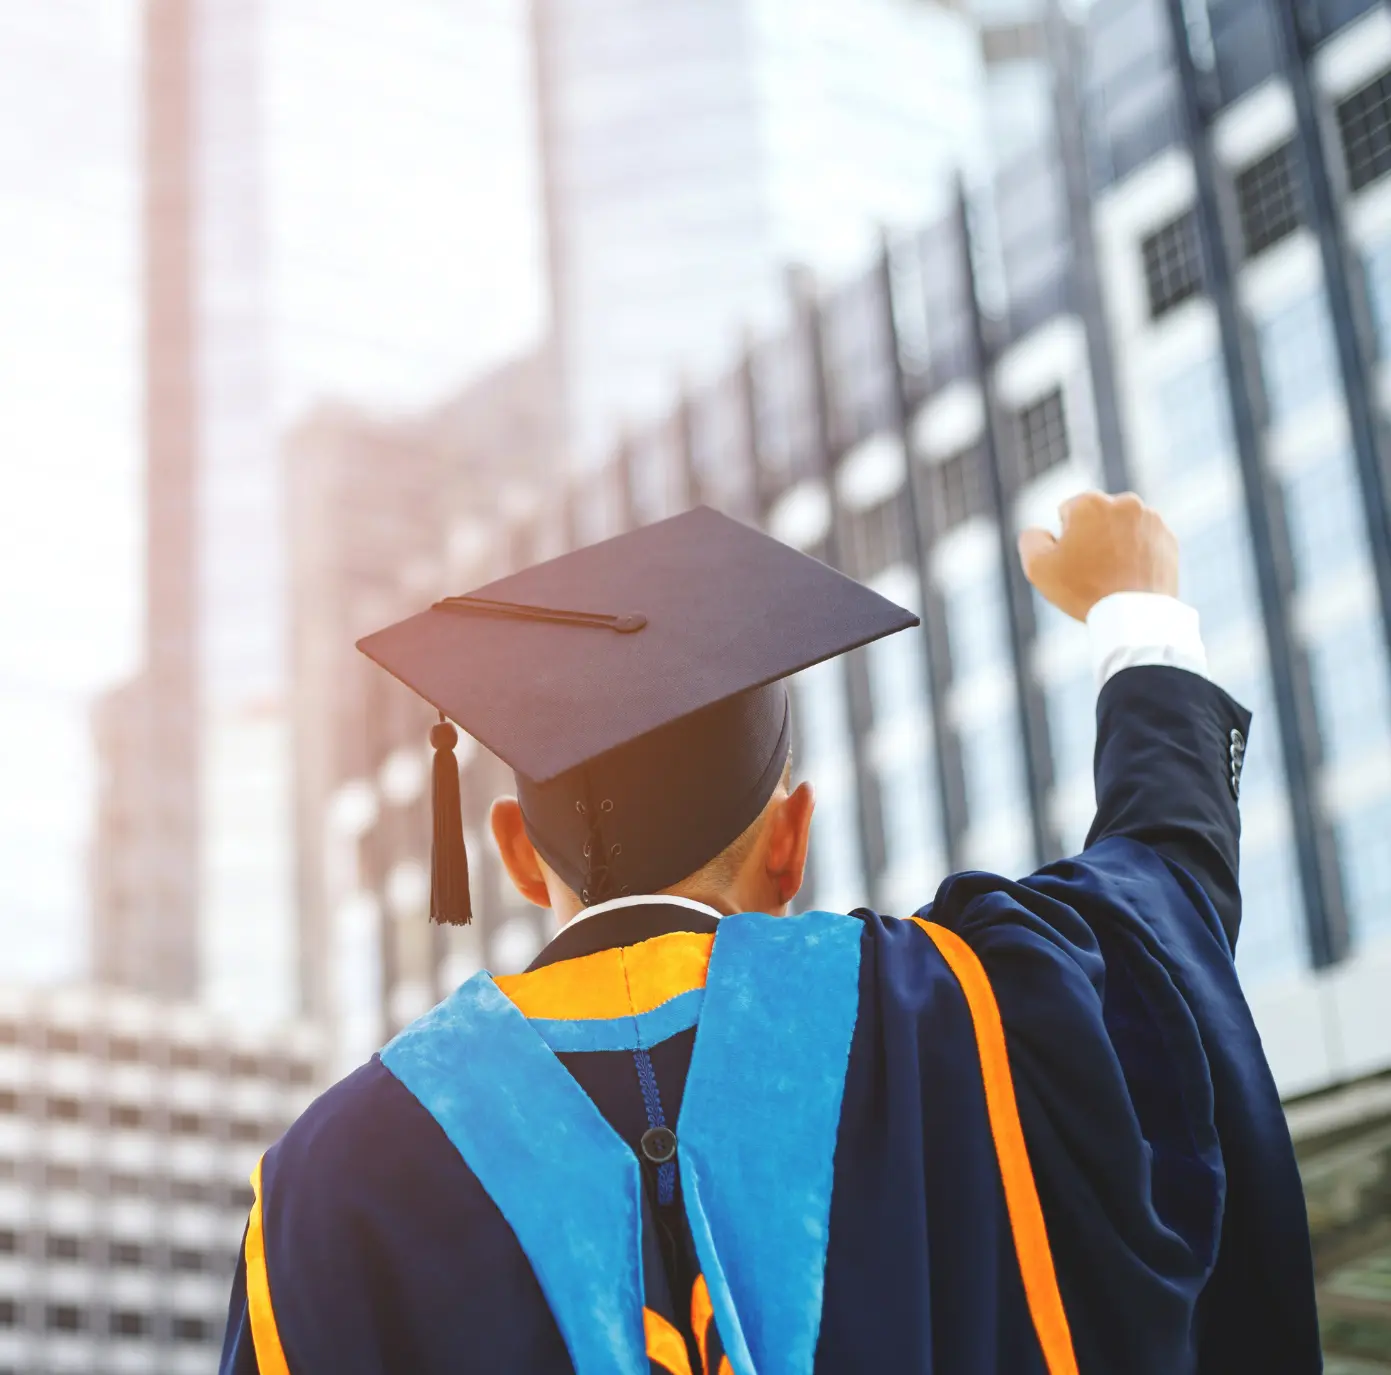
(1108, 544)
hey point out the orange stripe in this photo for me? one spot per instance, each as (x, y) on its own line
(665, 1344)
(613, 983)
(701, 1313)
(1021, 1194)
(265, 1337)
(725, 1367)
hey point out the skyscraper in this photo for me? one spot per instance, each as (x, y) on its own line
(282, 270)
(693, 150)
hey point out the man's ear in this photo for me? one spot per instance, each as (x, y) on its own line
(785, 859)
(519, 856)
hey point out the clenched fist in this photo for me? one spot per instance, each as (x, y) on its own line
(1108, 544)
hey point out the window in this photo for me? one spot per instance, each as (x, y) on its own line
(63, 1110)
(62, 1040)
(835, 851)
(301, 1073)
(63, 1317)
(129, 1254)
(123, 1049)
(992, 756)
(130, 1185)
(126, 1322)
(186, 1260)
(189, 1191)
(1193, 412)
(127, 1115)
(1298, 359)
(1267, 198)
(9, 1313)
(911, 823)
(1272, 941)
(1351, 691)
(1366, 864)
(1041, 433)
(1172, 263)
(185, 1057)
(897, 676)
(874, 538)
(976, 625)
(1071, 707)
(1323, 505)
(1376, 268)
(956, 489)
(9, 1100)
(63, 1176)
(9, 1034)
(1364, 122)
(189, 1124)
(245, 1066)
(823, 711)
(191, 1329)
(59, 1246)
(1216, 573)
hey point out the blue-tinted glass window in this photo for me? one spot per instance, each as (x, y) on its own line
(835, 851)
(1378, 269)
(1272, 942)
(1364, 848)
(1194, 411)
(1297, 356)
(1216, 573)
(1071, 708)
(898, 676)
(977, 626)
(911, 822)
(1324, 509)
(1351, 691)
(992, 757)
(822, 725)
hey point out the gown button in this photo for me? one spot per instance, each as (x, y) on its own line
(658, 1144)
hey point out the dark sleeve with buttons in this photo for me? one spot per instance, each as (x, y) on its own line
(1169, 751)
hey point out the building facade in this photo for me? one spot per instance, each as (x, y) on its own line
(128, 1131)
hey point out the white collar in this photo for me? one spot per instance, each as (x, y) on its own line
(640, 900)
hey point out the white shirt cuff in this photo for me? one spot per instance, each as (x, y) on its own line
(1128, 629)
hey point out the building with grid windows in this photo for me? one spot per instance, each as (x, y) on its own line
(128, 1130)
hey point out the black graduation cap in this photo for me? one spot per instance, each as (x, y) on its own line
(635, 688)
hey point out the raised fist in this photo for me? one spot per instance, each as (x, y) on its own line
(1108, 544)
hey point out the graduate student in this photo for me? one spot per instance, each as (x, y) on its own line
(1028, 1128)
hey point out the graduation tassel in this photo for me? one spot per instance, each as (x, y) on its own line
(449, 895)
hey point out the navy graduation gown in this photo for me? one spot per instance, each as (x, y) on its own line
(1155, 1144)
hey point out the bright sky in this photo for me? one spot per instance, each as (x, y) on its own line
(403, 254)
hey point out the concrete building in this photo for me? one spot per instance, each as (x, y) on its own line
(128, 1130)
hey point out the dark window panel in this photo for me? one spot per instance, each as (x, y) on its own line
(64, 1110)
(191, 1329)
(874, 538)
(1267, 198)
(1173, 264)
(129, 1254)
(9, 1100)
(1041, 434)
(9, 1313)
(956, 489)
(127, 1115)
(63, 1317)
(123, 1049)
(127, 1322)
(59, 1246)
(187, 1261)
(1364, 123)
(63, 1040)
(186, 1124)
(185, 1057)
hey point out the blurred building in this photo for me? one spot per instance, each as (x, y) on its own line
(270, 283)
(691, 150)
(389, 515)
(128, 1130)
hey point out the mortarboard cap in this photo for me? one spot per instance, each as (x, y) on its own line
(635, 689)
